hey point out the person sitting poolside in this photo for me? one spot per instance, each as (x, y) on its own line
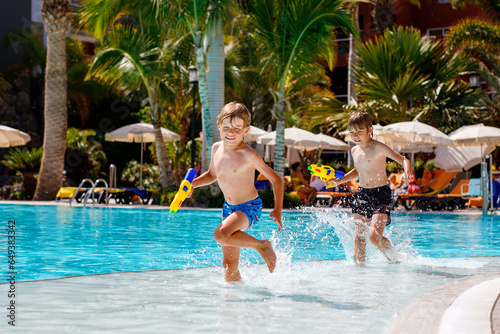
(426, 178)
(299, 183)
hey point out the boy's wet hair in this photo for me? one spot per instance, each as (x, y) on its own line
(232, 110)
(359, 119)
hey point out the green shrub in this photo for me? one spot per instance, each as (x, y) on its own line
(392, 167)
(289, 201)
(164, 197)
(20, 159)
(202, 197)
(150, 175)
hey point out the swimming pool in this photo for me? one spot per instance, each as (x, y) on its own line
(315, 287)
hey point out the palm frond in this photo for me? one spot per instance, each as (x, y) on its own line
(473, 35)
(489, 7)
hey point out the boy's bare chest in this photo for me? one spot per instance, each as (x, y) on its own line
(230, 167)
(367, 158)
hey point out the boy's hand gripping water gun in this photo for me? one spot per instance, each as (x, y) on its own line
(184, 190)
(326, 174)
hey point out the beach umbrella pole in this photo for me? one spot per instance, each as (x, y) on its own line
(484, 186)
(140, 179)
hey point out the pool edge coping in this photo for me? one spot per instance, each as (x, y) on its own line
(473, 212)
(424, 314)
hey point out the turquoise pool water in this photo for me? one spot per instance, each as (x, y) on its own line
(58, 241)
(315, 288)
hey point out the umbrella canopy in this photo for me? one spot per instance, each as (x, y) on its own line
(10, 137)
(330, 143)
(254, 133)
(139, 133)
(476, 135)
(295, 138)
(454, 159)
(416, 134)
(393, 140)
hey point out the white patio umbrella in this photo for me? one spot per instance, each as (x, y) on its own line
(295, 138)
(330, 143)
(455, 159)
(477, 134)
(139, 133)
(10, 137)
(417, 134)
(393, 140)
(254, 133)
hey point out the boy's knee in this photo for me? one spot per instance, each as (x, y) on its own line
(359, 239)
(219, 235)
(375, 237)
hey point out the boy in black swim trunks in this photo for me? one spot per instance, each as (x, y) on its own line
(233, 165)
(370, 203)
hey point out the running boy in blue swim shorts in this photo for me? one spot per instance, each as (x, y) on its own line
(233, 165)
(371, 201)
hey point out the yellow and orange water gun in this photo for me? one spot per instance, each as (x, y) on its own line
(325, 173)
(184, 190)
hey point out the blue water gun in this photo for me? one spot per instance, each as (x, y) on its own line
(184, 190)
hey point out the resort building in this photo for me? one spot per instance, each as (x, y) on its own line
(433, 18)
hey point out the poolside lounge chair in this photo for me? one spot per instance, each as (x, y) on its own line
(340, 196)
(474, 195)
(450, 201)
(473, 189)
(423, 201)
(128, 195)
(69, 192)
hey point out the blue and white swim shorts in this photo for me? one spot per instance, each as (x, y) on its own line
(253, 210)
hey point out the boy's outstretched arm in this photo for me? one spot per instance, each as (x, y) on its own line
(277, 184)
(408, 174)
(352, 175)
(208, 177)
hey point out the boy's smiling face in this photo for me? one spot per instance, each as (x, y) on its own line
(361, 136)
(232, 131)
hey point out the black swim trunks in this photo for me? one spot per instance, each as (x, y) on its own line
(369, 201)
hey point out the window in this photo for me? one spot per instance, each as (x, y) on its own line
(438, 32)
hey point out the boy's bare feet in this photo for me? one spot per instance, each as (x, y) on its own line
(267, 253)
(232, 276)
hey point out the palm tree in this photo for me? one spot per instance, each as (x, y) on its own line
(132, 60)
(383, 13)
(203, 19)
(56, 18)
(489, 7)
(479, 39)
(137, 55)
(294, 36)
(402, 67)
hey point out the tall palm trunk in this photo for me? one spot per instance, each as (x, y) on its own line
(166, 177)
(352, 94)
(279, 109)
(215, 77)
(161, 154)
(204, 98)
(56, 16)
